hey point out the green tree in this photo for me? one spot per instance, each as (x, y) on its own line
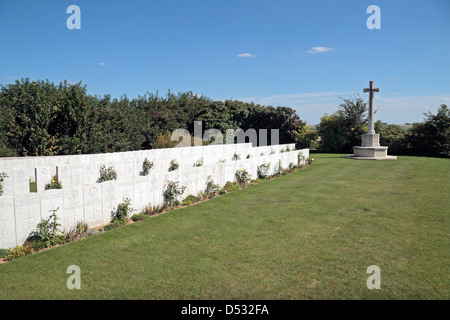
(432, 137)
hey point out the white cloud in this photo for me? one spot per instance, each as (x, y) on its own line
(102, 64)
(245, 55)
(319, 50)
(10, 78)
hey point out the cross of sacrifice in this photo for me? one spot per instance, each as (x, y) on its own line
(371, 90)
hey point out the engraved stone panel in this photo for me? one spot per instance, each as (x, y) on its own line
(28, 215)
(7, 223)
(93, 210)
(73, 206)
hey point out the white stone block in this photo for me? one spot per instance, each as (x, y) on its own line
(21, 182)
(7, 223)
(73, 206)
(110, 200)
(52, 200)
(93, 210)
(126, 191)
(90, 174)
(140, 189)
(28, 215)
(76, 174)
(64, 175)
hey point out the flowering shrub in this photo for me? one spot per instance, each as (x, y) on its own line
(48, 230)
(263, 170)
(301, 159)
(123, 211)
(173, 165)
(211, 188)
(198, 163)
(54, 184)
(242, 177)
(146, 167)
(107, 174)
(19, 251)
(172, 192)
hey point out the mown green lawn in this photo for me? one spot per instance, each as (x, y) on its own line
(308, 235)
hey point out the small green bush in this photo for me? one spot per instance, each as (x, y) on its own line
(3, 253)
(230, 186)
(236, 157)
(36, 242)
(212, 189)
(19, 251)
(242, 177)
(198, 163)
(123, 212)
(138, 217)
(81, 230)
(112, 225)
(172, 192)
(146, 167)
(173, 165)
(2, 178)
(263, 170)
(54, 184)
(190, 199)
(107, 174)
(48, 230)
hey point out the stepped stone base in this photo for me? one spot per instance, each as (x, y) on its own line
(370, 153)
(370, 149)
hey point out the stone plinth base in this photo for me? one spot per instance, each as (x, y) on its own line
(371, 140)
(370, 153)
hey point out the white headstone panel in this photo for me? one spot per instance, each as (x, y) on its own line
(110, 200)
(90, 174)
(64, 175)
(128, 169)
(76, 173)
(73, 206)
(220, 176)
(21, 183)
(7, 223)
(126, 191)
(140, 193)
(43, 176)
(28, 215)
(52, 200)
(93, 210)
(39, 162)
(137, 166)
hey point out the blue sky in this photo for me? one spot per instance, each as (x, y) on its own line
(301, 54)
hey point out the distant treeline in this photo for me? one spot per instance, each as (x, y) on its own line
(42, 118)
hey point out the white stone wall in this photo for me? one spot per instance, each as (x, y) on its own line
(84, 199)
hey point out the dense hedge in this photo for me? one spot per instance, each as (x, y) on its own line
(42, 118)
